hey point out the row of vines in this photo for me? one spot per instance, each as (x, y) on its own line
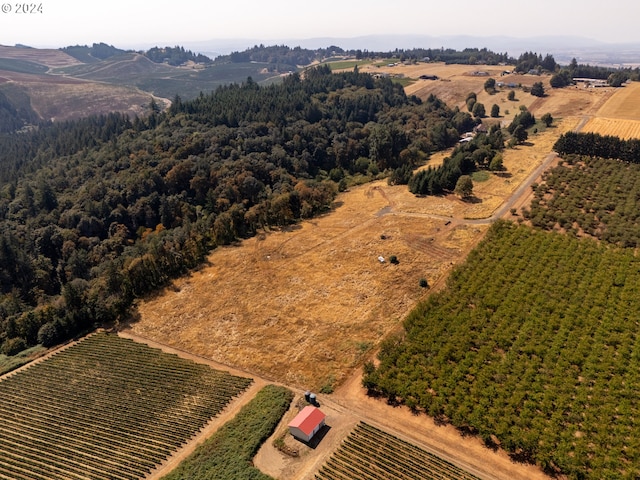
(105, 408)
(534, 347)
(369, 453)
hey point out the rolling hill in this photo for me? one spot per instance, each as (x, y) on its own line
(60, 86)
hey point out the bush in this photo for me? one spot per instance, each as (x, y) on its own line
(393, 259)
(12, 346)
(49, 334)
(423, 283)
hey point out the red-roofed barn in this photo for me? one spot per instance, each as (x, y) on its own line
(307, 423)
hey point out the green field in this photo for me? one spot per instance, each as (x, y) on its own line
(105, 408)
(533, 346)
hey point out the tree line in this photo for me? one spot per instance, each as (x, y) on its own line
(596, 145)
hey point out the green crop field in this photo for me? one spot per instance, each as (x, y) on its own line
(105, 408)
(369, 453)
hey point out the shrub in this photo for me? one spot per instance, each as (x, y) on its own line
(393, 259)
(48, 335)
(424, 283)
(12, 346)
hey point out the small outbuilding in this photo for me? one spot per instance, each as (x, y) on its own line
(307, 423)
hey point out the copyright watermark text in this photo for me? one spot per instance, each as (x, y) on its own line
(21, 8)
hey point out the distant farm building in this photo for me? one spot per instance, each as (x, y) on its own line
(428, 77)
(307, 423)
(592, 82)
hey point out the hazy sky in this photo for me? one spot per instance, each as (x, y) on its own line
(138, 24)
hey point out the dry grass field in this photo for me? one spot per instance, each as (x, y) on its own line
(304, 306)
(619, 115)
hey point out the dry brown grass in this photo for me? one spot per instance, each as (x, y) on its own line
(624, 104)
(304, 306)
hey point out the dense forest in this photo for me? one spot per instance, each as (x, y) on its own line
(100, 211)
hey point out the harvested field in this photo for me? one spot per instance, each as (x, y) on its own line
(625, 129)
(619, 115)
(624, 104)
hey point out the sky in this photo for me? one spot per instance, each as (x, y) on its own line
(137, 24)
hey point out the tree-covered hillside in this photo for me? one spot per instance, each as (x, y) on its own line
(97, 212)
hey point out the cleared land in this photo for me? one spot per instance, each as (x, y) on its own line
(620, 115)
(63, 98)
(105, 408)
